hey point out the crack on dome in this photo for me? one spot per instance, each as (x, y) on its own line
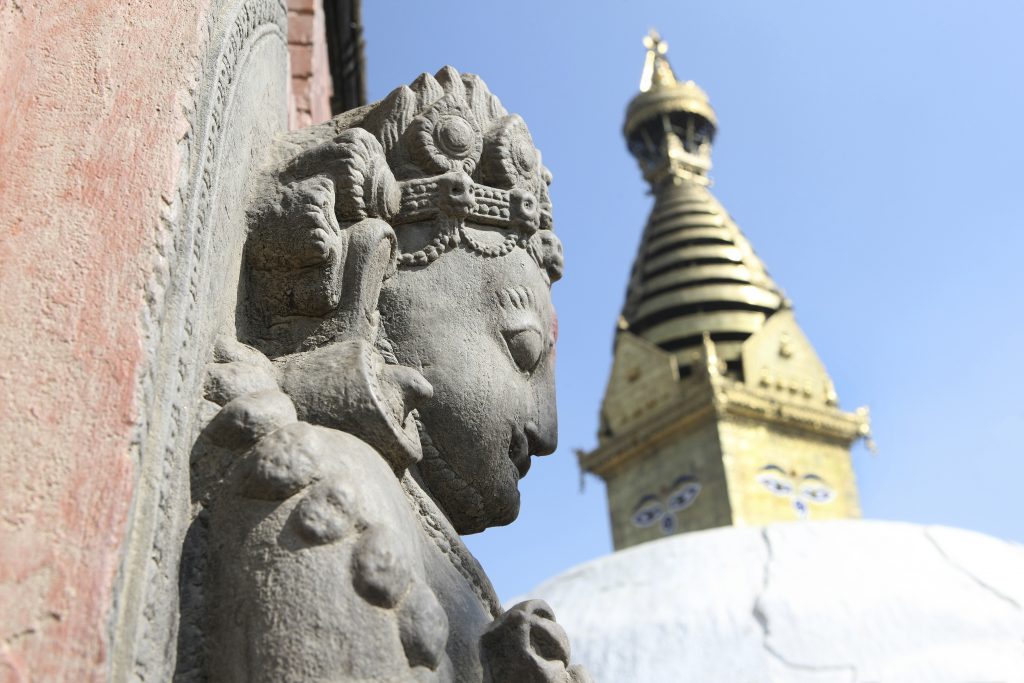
(761, 617)
(968, 573)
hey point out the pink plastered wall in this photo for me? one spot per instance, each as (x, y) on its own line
(91, 113)
(93, 102)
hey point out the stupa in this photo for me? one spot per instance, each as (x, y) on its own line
(740, 555)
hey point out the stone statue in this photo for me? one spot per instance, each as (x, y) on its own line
(391, 375)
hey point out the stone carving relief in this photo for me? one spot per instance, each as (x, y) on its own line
(234, 109)
(390, 376)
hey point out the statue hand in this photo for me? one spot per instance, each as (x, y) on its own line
(525, 645)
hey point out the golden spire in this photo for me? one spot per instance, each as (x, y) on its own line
(696, 273)
(661, 92)
(657, 71)
(670, 123)
(714, 387)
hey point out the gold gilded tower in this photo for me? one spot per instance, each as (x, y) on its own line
(718, 411)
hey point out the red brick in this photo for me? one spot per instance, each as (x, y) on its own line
(302, 29)
(300, 93)
(302, 60)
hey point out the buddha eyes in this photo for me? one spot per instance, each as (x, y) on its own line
(816, 493)
(526, 347)
(810, 488)
(775, 484)
(647, 515)
(684, 496)
(661, 508)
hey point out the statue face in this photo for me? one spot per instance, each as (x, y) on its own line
(482, 331)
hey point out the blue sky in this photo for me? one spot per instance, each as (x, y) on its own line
(872, 152)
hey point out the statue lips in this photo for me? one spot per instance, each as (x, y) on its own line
(519, 451)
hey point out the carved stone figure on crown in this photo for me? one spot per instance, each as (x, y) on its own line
(391, 376)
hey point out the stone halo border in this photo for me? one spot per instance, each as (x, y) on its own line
(143, 618)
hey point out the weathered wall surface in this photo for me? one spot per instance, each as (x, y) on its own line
(127, 137)
(90, 121)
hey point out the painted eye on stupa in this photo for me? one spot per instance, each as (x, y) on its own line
(683, 496)
(774, 478)
(648, 511)
(815, 490)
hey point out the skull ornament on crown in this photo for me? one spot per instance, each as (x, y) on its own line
(391, 375)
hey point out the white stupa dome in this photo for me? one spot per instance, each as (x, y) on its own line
(810, 602)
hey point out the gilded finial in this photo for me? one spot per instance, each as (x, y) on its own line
(657, 71)
(670, 123)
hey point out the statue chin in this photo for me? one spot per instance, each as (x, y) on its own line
(504, 511)
(471, 507)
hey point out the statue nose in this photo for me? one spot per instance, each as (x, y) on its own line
(542, 441)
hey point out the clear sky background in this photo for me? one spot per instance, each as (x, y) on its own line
(872, 152)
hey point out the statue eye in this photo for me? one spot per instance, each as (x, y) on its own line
(526, 347)
(684, 496)
(775, 484)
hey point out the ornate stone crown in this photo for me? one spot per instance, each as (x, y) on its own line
(450, 128)
(442, 152)
(443, 148)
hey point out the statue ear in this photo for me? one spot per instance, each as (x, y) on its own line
(341, 380)
(346, 385)
(370, 259)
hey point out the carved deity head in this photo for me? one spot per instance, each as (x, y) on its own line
(416, 233)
